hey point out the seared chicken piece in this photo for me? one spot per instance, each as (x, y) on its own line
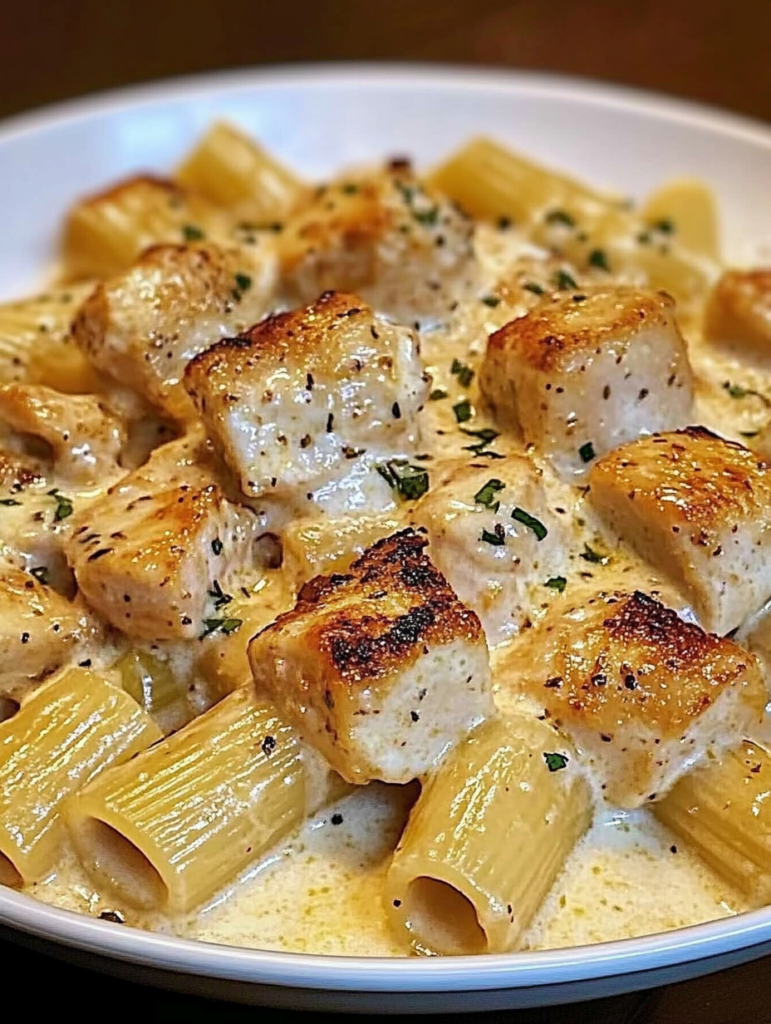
(407, 250)
(85, 438)
(585, 372)
(155, 558)
(318, 547)
(105, 232)
(643, 694)
(381, 669)
(493, 535)
(738, 311)
(39, 631)
(145, 325)
(699, 508)
(303, 399)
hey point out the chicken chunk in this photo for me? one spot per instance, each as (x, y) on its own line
(405, 249)
(303, 399)
(155, 558)
(381, 669)
(583, 373)
(494, 534)
(315, 547)
(738, 311)
(85, 438)
(699, 509)
(40, 631)
(643, 694)
(143, 326)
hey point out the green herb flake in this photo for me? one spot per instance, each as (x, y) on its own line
(219, 597)
(563, 281)
(429, 217)
(531, 286)
(738, 391)
(9, 502)
(485, 437)
(192, 233)
(644, 238)
(437, 395)
(560, 217)
(463, 372)
(410, 482)
(491, 300)
(243, 282)
(590, 555)
(557, 583)
(598, 258)
(350, 188)
(497, 538)
(586, 451)
(666, 226)
(530, 522)
(40, 572)
(555, 762)
(463, 411)
(217, 546)
(226, 626)
(486, 495)
(64, 507)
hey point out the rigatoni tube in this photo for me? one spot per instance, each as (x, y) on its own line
(722, 812)
(64, 735)
(486, 839)
(175, 824)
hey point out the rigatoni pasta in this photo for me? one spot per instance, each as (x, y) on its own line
(167, 830)
(486, 839)
(65, 734)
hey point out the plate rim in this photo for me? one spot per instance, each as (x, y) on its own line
(574, 964)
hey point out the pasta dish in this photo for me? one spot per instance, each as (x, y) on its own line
(384, 560)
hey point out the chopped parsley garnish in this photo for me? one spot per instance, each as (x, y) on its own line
(644, 238)
(437, 394)
(350, 188)
(531, 286)
(216, 546)
(410, 482)
(40, 572)
(464, 373)
(560, 217)
(491, 300)
(738, 391)
(243, 282)
(192, 233)
(463, 411)
(226, 626)
(530, 522)
(555, 762)
(486, 495)
(665, 226)
(586, 451)
(496, 538)
(219, 597)
(428, 217)
(64, 507)
(486, 436)
(557, 583)
(590, 555)
(564, 281)
(407, 191)
(597, 258)
(9, 502)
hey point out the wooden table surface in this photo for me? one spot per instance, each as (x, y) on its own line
(717, 51)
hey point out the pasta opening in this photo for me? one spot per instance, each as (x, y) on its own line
(8, 874)
(122, 865)
(443, 919)
(8, 708)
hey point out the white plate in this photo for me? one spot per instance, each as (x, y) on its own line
(319, 119)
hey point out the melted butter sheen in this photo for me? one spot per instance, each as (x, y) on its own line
(321, 891)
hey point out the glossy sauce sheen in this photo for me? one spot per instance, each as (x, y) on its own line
(321, 891)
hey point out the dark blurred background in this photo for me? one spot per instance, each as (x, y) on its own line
(716, 51)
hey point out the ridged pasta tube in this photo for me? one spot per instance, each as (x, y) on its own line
(722, 811)
(65, 734)
(175, 824)
(486, 840)
(232, 171)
